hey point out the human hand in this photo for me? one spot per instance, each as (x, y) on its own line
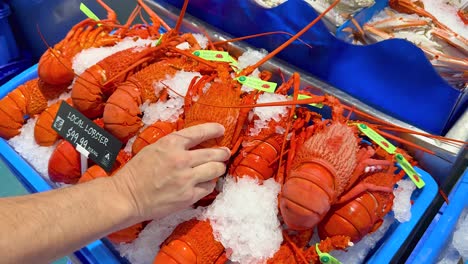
(167, 176)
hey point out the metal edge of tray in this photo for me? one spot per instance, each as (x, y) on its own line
(445, 153)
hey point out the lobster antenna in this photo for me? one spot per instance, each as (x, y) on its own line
(296, 82)
(261, 35)
(405, 130)
(251, 68)
(154, 17)
(181, 16)
(111, 15)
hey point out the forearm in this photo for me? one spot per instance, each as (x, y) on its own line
(42, 227)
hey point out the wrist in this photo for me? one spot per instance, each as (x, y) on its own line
(121, 200)
(125, 191)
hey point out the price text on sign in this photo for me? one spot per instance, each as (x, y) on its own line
(412, 174)
(77, 129)
(374, 136)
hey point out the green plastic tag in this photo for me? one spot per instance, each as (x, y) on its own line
(325, 257)
(258, 84)
(88, 12)
(381, 141)
(303, 96)
(414, 176)
(159, 40)
(214, 55)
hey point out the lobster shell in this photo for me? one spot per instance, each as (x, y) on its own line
(320, 172)
(152, 134)
(29, 99)
(64, 164)
(362, 215)
(191, 242)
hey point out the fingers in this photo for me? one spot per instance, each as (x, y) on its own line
(200, 156)
(194, 135)
(203, 189)
(208, 171)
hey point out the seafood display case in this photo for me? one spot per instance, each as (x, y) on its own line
(392, 76)
(394, 242)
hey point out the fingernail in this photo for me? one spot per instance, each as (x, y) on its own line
(228, 150)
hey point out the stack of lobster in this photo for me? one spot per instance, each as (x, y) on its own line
(331, 178)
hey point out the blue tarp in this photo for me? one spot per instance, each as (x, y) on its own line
(393, 76)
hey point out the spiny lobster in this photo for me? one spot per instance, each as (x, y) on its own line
(27, 99)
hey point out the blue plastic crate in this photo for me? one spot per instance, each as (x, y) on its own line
(102, 252)
(439, 233)
(392, 76)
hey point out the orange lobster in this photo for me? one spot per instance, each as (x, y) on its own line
(122, 114)
(55, 64)
(152, 134)
(322, 164)
(362, 214)
(44, 134)
(65, 162)
(259, 156)
(191, 242)
(27, 99)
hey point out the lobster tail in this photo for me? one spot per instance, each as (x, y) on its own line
(152, 134)
(92, 173)
(190, 242)
(257, 159)
(122, 112)
(43, 132)
(362, 215)
(64, 164)
(12, 110)
(307, 195)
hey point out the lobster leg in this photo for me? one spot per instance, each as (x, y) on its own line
(360, 188)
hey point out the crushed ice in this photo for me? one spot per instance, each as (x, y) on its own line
(265, 114)
(402, 201)
(244, 219)
(91, 56)
(144, 249)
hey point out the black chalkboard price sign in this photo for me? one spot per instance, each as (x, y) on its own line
(88, 138)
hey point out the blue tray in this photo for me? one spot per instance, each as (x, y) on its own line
(431, 246)
(392, 76)
(102, 252)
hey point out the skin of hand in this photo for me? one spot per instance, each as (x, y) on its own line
(163, 178)
(168, 176)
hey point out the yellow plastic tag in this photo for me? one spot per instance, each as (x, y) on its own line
(325, 257)
(214, 55)
(414, 176)
(88, 12)
(381, 141)
(303, 96)
(258, 84)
